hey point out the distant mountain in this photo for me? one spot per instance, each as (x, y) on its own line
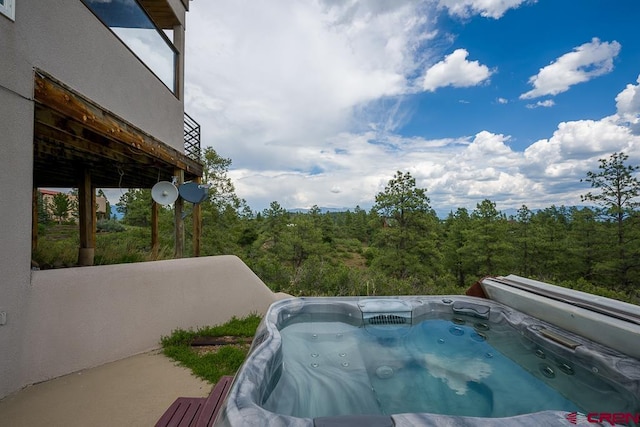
(322, 210)
(115, 213)
(440, 213)
(512, 212)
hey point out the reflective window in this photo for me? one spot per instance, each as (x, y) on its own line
(128, 20)
(7, 8)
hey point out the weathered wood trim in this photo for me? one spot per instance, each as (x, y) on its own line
(122, 136)
(86, 218)
(34, 220)
(155, 239)
(74, 136)
(160, 13)
(197, 225)
(178, 207)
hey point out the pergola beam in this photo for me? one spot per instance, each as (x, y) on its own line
(87, 219)
(73, 135)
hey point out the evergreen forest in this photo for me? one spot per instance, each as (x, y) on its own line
(400, 246)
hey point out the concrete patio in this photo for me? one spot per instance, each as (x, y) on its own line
(130, 392)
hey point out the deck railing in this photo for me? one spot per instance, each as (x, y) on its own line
(191, 138)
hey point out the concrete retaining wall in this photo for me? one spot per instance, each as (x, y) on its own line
(78, 318)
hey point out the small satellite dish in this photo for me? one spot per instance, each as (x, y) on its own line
(193, 192)
(164, 193)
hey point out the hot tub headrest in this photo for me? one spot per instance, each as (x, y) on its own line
(471, 309)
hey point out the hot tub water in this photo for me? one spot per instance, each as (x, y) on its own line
(430, 360)
(436, 366)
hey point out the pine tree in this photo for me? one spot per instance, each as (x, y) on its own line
(60, 207)
(407, 239)
(617, 192)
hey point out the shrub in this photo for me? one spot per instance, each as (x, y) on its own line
(109, 225)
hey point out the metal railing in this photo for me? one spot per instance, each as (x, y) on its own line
(191, 138)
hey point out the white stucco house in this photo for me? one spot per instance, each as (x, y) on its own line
(91, 96)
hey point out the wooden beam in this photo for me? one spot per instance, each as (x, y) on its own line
(58, 154)
(178, 207)
(197, 225)
(34, 220)
(86, 218)
(74, 107)
(160, 12)
(155, 241)
(51, 126)
(179, 42)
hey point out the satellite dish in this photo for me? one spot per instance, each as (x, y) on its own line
(193, 192)
(164, 193)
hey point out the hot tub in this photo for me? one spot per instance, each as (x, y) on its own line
(407, 361)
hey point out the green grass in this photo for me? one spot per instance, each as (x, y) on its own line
(210, 366)
(58, 246)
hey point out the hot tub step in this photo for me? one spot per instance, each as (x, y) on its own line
(196, 411)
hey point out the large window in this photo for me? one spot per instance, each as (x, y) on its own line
(7, 8)
(128, 20)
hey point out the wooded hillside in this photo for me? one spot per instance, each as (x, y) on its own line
(400, 246)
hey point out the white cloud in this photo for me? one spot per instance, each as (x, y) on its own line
(547, 172)
(628, 101)
(546, 103)
(574, 149)
(270, 84)
(628, 106)
(577, 139)
(456, 172)
(454, 70)
(584, 63)
(488, 144)
(304, 98)
(487, 8)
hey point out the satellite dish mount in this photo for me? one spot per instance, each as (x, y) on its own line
(164, 193)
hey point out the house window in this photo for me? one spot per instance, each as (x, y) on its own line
(7, 8)
(131, 24)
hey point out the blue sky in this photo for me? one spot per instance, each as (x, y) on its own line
(516, 46)
(320, 102)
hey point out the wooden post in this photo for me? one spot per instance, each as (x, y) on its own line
(34, 220)
(179, 43)
(179, 222)
(87, 219)
(197, 225)
(155, 241)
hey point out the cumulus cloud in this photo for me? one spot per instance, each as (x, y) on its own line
(455, 70)
(456, 172)
(580, 140)
(487, 8)
(274, 82)
(574, 149)
(547, 172)
(546, 103)
(584, 63)
(628, 101)
(305, 97)
(628, 106)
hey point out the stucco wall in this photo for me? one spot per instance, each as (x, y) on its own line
(15, 228)
(63, 38)
(82, 317)
(72, 319)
